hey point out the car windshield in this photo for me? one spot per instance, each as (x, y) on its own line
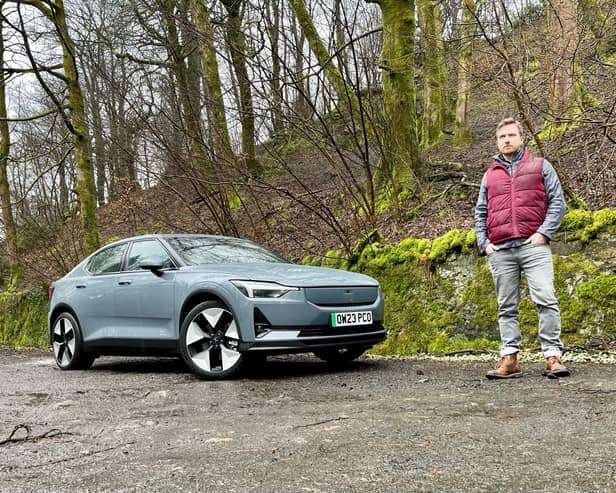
(207, 250)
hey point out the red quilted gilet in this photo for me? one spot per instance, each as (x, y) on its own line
(517, 204)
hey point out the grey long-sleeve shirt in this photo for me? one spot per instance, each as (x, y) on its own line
(554, 215)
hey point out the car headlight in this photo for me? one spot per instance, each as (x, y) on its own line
(260, 289)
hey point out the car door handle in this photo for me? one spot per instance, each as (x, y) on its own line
(124, 283)
(80, 286)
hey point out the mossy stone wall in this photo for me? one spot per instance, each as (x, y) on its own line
(23, 318)
(440, 295)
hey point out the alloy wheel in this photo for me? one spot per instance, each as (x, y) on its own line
(212, 340)
(64, 341)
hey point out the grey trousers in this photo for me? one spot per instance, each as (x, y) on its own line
(506, 265)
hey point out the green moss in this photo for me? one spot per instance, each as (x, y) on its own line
(598, 304)
(234, 201)
(334, 259)
(479, 299)
(529, 321)
(23, 318)
(601, 220)
(414, 248)
(583, 225)
(569, 272)
(576, 219)
(387, 199)
(601, 290)
(454, 241)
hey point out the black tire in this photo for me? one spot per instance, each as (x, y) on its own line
(339, 356)
(67, 343)
(209, 342)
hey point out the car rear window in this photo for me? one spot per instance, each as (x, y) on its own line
(107, 260)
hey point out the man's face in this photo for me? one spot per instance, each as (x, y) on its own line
(508, 140)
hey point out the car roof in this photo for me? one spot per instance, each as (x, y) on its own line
(174, 235)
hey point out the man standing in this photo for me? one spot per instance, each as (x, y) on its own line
(519, 208)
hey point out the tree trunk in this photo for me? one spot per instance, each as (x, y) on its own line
(237, 45)
(561, 48)
(199, 162)
(94, 102)
(81, 138)
(99, 149)
(435, 100)
(273, 19)
(339, 25)
(10, 230)
(190, 109)
(400, 143)
(213, 87)
(301, 108)
(463, 134)
(334, 76)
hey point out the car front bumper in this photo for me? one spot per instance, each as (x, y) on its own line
(306, 339)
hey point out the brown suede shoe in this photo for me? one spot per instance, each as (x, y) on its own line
(507, 367)
(554, 368)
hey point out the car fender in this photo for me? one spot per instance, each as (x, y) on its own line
(57, 309)
(204, 290)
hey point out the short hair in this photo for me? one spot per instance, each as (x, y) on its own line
(509, 121)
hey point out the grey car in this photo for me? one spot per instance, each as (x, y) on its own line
(215, 301)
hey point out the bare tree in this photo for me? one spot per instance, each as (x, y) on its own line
(463, 132)
(10, 231)
(436, 105)
(73, 113)
(237, 46)
(342, 90)
(400, 146)
(561, 47)
(213, 86)
(273, 19)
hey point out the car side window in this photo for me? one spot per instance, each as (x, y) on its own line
(144, 249)
(108, 260)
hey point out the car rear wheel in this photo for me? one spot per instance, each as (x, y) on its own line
(209, 341)
(67, 344)
(340, 356)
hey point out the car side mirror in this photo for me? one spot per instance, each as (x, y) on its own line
(154, 264)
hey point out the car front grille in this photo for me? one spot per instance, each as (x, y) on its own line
(342, 296)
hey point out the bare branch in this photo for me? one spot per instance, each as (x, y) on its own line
(60, 107)
(34, 117)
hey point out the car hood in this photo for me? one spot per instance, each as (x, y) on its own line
(288, 274)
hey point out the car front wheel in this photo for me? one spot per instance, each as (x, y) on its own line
(209, 341)
(340, 356)
(67, 344)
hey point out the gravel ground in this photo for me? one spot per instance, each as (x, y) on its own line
(297, 424)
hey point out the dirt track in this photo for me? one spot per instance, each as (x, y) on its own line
(146, 425)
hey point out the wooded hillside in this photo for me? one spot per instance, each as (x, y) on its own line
(306, 125)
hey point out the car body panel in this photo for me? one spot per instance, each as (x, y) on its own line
(145, 305)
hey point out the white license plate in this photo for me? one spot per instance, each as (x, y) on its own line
(351, 318)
